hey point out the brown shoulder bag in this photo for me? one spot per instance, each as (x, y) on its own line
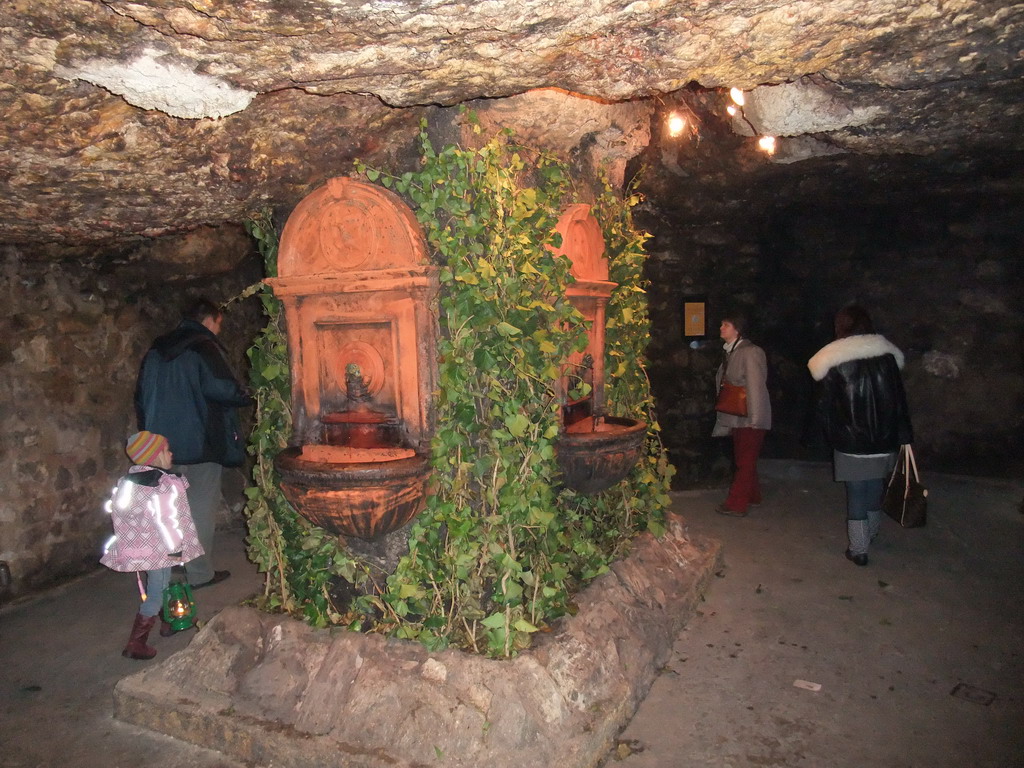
(732, 399)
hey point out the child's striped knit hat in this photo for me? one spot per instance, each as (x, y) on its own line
(143, 446)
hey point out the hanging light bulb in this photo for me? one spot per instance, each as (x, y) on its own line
(737, 96)
(731, 110)
(767, 143)
(676, 124)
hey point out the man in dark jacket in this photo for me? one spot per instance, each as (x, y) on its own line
(187, 393)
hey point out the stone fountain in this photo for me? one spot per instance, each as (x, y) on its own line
(595, 451)
(357, 290)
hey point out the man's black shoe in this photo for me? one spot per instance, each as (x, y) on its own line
(857, 559)
(218, 577)
(166, 630)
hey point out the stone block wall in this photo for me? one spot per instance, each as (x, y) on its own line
(73, 337)
(67, 371)
(941, 273)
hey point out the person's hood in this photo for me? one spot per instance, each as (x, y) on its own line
(143, 474)
(188, 333)
(860, 347)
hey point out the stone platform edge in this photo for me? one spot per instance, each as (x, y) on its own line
(269, 689)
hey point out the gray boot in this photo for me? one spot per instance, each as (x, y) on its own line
(874, 522)
(857, 530)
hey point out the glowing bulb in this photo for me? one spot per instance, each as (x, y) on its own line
(731, 110)
(736, 95)
(767, 143)
(179, 608)
(676, 124)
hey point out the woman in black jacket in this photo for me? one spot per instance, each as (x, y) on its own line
(863, 410)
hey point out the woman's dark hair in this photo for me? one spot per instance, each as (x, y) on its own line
(200, 309)
(738, 320)
(852, 320)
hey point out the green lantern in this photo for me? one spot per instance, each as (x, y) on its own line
(179, 606)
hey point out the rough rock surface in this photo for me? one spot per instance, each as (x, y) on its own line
(270, 689)
(73, 336)
(140, 118)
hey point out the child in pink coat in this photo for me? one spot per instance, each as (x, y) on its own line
(153, 531)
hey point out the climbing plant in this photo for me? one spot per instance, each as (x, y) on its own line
(298, 559)
(627, 331)
(500, 548)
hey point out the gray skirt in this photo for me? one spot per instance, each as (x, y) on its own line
(849, 467)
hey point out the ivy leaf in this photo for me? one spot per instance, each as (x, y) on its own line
(517, 424)
(507, 329)
(552, 372)
(541, 516)
(513, 592)
(523, 625)
(494, 621)
(486, 269)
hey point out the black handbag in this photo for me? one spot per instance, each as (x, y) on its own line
(906, 500)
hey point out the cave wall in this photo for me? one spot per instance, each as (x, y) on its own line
(74, 335)
(80, 318)
(939, 267)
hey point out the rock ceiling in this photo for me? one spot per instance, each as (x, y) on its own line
(126, 119)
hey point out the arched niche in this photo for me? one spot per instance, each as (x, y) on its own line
(583, 244)
(357, 286)
(348, 226)
(595, 451)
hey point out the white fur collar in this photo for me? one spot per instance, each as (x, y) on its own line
(860, 347)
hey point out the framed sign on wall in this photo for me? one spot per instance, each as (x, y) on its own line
(695, 317)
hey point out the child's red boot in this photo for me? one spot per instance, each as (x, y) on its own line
(137, 648)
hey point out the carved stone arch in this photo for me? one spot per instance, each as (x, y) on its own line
(350, 226)
(583, 243)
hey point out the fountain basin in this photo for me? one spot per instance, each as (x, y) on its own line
(364, 493)
(595, 456)
(577, 410)
(361, 429)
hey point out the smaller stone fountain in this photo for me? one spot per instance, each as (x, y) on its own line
(595, 451)
(357, 287)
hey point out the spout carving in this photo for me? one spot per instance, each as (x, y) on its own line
(356, 391)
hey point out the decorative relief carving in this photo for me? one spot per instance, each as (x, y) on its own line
(357, 287)
(349, 237)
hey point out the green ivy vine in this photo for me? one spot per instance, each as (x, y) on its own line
(299, 560)
(501, 548)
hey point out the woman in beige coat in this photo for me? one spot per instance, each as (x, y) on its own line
(745, 366)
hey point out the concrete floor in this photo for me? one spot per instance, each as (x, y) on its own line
(935, 608)
(919, 655)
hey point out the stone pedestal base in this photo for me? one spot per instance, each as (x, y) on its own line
(272, 690)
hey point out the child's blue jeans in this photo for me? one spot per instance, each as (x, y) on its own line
(156, 583)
